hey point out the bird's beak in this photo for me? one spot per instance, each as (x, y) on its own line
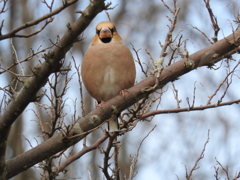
(105, 32)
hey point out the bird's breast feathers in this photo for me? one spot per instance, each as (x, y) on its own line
(108, 66)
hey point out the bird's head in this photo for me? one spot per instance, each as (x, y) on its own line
(106, 32)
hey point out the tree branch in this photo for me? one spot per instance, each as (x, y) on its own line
(195, 167)
(11, 34)
(198, 108)
(85, 150)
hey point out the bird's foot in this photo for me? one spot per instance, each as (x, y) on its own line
(100, 104)
(122, 92)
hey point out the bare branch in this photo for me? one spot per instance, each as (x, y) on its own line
(195, 167)
(50, 19)
(4, 8)
(134, 158)
(49, 6)
(85, 150)
(175, 93)
(198, 108)
(107, 156)
(145, 72)
(28, 58)
(213, 20)
(194, 96)
(225, 80)
(168, 39)
(48, 16)
(116, 169)
(224, 169)
(194, 27)
(78, 69)
(237, 176)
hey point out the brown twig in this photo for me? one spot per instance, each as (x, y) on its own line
(198, 108)
(134, 158)
(175, 93)
(4, 8)
(213, 20)
(168, 39)
(56, 115)
(107, 156)
(195, 167)
(28, 58)
(194, 97)
(116, 153)
(224, 169)
(48, 16)
(85, 150)
(175, 48)
(78, 69)
(145, 72)
(37, 113)
(225, 80)
(209, 40)
(216, 173)
(48, 6)
(237, 176)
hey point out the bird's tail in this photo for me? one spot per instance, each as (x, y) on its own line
(113, 123)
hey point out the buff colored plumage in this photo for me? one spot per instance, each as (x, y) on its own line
(108, 66)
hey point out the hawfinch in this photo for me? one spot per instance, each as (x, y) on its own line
(108, 67)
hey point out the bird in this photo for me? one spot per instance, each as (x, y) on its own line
(108, 67)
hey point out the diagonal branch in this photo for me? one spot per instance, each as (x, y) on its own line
(14, 32)
(81, 153)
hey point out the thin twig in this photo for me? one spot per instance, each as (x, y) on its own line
(175, 93)
(224, 169)
(195, 167)
(229, 74)
(213, 20)
(81, 153)
(107, 156)
(198, 108)
(134, 159)
(14, 32)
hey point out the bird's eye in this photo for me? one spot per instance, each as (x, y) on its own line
(98, 32)
(113, 30)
